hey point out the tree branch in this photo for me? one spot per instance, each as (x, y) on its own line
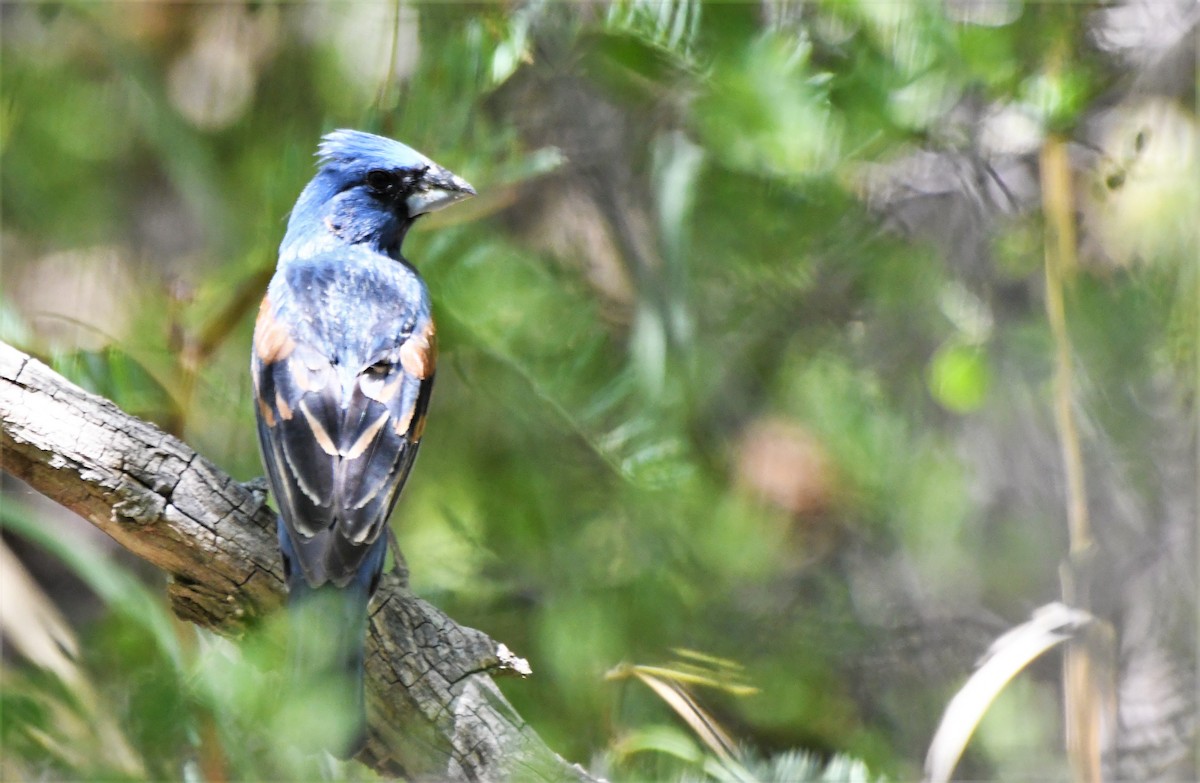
(434, 711)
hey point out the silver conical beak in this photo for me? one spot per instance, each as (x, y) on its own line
(439, 188)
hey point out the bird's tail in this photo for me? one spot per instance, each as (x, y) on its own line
(326, 648)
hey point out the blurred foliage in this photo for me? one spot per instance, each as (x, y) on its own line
(692, 394)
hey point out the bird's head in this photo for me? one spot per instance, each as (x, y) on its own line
(369, 190)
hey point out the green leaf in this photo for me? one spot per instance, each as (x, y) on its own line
(659, 738)
(113, 373)
(959, 377)
(120, 589)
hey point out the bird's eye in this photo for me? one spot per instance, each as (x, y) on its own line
(381, 181)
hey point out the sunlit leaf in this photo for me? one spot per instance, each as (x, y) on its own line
(959, 377)
(1051, 625)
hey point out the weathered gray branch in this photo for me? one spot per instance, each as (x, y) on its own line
(434, 711)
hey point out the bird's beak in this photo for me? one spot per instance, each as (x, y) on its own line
(439, 188)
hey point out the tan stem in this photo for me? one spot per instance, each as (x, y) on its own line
(1083, 703)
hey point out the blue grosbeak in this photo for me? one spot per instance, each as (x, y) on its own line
(343, 365)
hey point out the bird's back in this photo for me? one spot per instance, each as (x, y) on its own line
(340, 413)
(353, 301)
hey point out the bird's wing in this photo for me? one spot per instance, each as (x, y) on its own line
(338, 439)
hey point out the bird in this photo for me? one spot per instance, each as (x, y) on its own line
(343, 363)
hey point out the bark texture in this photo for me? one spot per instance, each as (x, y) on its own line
(434, 711)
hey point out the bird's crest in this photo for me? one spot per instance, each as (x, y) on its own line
(356, 148)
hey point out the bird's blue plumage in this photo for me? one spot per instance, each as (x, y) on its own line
(343, 366)
(351, 148)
